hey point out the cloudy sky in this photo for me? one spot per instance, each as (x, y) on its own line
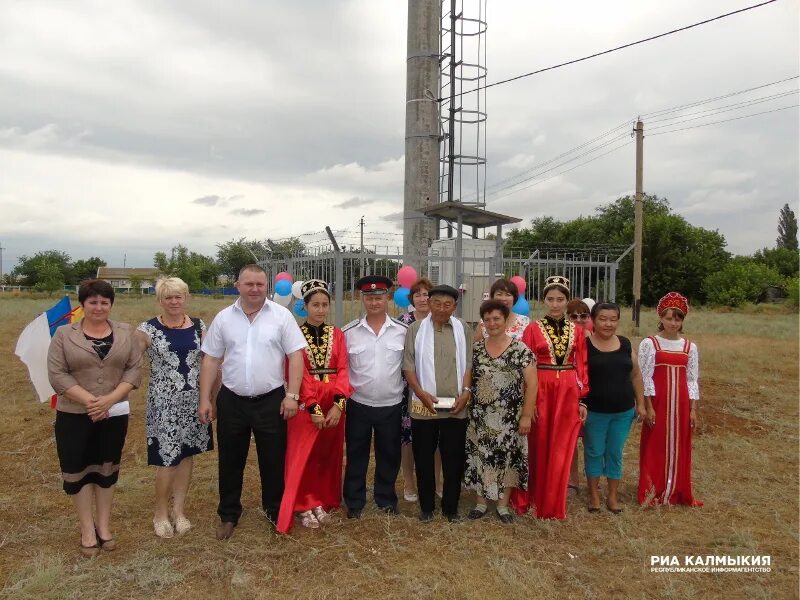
(128, 127)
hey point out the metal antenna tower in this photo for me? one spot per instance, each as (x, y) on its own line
(463, 117)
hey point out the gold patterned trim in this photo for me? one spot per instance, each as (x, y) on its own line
(560, 345)
(540, 323)
(418, 408)
(571, 334)
(319, 356)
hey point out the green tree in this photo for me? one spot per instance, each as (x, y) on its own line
(793, 291)
(49, 278)
(288, 248)
(742, 280)
(784, 260)
(234, 254)
(787, 229)
(85, 269)
(675, 254)
(52, 264)
(195, 269)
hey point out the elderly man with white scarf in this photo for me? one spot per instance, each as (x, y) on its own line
(437, 363)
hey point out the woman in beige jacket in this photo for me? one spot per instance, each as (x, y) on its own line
(92, 366)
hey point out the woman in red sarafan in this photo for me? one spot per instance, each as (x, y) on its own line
(315, 436)
(670, 367)
(560, 349)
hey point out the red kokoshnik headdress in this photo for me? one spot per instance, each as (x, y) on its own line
(673, 300)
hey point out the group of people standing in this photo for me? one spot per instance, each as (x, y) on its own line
(498, 411)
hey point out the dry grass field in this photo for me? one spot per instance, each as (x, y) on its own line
(745, 469)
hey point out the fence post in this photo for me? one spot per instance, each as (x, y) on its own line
(612, 294)
(338, 292)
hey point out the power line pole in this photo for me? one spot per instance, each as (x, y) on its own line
(451, 121)
(422, 129)
(637, 227)
(361, 223)
(1, 263)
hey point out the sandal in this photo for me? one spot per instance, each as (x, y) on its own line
(182, 525)
(108, 545)
(90, 551)
(163, 529)
(478, 512)
(504, 515)
(309, 520)
(322, 517)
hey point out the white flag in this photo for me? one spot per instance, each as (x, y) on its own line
(32, 348)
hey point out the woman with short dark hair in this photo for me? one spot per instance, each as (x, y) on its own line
(500, 415)
(93, 365)
(506, 292)
(578, 312)
(615, 399)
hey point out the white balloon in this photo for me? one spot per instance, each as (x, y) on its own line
(282, 300)
(296, 286)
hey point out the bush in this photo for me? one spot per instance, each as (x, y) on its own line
(793, 291)
(739, 282)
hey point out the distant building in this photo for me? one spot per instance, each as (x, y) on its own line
(120, 277)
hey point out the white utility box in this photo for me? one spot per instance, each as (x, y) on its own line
(477, 265)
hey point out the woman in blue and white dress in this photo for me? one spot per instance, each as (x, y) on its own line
(174, 432)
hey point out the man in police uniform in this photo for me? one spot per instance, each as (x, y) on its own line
(375, 354)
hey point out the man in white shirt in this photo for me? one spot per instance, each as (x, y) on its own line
(375, 354)
(251, 339)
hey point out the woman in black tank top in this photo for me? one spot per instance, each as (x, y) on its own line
(615, 399)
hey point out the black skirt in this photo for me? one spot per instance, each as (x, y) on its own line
(89, 452)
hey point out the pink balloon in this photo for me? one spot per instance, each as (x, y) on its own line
(520, 283)
(284, 275)
(407, 276)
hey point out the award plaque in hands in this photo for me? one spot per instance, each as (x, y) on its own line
(445, 403)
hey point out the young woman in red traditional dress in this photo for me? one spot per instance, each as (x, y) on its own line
(315, 437)
(670, 367)
(560, 349)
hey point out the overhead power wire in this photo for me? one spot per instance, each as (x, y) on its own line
(715, 113)
(500, 186)
(725, 120)
(707, 100)
(538, 166)
(714, 110)
(610, 50)
(535, 183)
(561, 164)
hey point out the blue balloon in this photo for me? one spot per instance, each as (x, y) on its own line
(521, 307)
(300, 308)
(283, 287)
(402, 297)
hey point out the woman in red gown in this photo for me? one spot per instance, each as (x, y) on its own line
(315, 436)
(670, 367)
(560, 349)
